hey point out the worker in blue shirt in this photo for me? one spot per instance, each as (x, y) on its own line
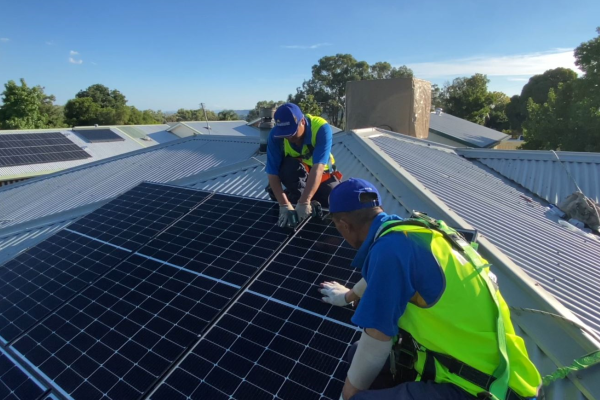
(435, 293)
(299, 158)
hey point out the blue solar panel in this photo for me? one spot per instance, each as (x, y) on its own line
(16, 383)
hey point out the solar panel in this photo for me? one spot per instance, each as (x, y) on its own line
(118, 336)
(315, 254)
(226, 237)
(263, 349)
(38, 148)
(16, 383)
(133, 218)
(99, 135)
(42, 278)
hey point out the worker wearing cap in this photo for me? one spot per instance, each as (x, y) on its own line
(299, 157)
(425, 285)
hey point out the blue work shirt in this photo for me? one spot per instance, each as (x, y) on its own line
(395, 268)
(321, 153)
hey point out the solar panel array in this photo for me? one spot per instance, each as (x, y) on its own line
(99, 135)
(38, 148)
(175, 293)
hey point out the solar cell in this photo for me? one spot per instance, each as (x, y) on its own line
(264, 349)
(99, 135)
(225, 237)
(39, 280)
(133, 218)
(315, 254)
(115, 338)
(38, 148)
(16, 383)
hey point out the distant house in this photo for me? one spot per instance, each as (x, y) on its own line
(448, 129)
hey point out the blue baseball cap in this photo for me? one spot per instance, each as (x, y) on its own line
(287, 117)
(345, 197)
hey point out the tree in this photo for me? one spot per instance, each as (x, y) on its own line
(103, 96)
(437, 97)
(310, 106)
(21, 108)
(254, 113)
(570, 118)
(384, 70)
(82, 111)
(228, 115)
(468, 98)
(497, 118)
(537, 89)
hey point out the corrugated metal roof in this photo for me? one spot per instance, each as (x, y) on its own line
(563, 262)
(542, 173)
(103, 180)
(12, 245)
(469, 133)
(234, 128)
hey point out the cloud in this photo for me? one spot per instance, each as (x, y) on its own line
(305, 47)
(73, 52)
(519, 65)
(74, 61)
(4, 39)
(50, 43)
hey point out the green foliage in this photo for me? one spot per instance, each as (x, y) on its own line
(468, 98)
(193, 115)
(497, 118)
(437, 97)
(253, 114)
(22, 106)
(103, 96)
(228, 115)
(384, 70)
(82, 111)
(569, 119)
(310, 106)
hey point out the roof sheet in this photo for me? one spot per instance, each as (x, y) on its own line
(542, 173)
(235, 128)
(92, 183)
(563, 262)
(471, 134)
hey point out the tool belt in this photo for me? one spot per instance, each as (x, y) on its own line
(327, 174)
(404, 355)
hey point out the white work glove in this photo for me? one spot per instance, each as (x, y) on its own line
(284, 214)
(334, 293)
(304, 210)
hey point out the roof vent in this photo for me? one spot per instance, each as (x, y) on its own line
(438, 111)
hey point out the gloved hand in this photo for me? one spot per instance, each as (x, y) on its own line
(284, 214)
(304, 210)
(334, 293)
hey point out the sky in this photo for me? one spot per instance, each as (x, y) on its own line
(230, 53)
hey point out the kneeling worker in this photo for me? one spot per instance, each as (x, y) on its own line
(429, 287)
(299, 157)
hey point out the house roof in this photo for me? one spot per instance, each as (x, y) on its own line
(232, 128)
(551, 175)
(409, 174)
(98, 150)
(463, 131)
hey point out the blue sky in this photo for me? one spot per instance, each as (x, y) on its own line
(230, 54)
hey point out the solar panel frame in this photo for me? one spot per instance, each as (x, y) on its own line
(16, 383)
(38, 148)
(99, 135)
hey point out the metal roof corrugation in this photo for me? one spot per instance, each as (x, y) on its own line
(548, 179)
(463, 130)
(564, 262)
(234, 128)
(64, 191)
(12, 245)
(249, 182)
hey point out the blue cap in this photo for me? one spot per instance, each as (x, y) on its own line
(345, 197)
(287, 117)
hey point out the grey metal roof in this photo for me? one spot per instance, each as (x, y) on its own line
(565, 263)
(461, 130)
(542, 173)
(234, 128)
(103, 180)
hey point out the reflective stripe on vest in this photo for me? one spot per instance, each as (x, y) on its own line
(315, 124)
(464, 322)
